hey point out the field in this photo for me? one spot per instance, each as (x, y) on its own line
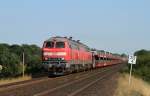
(12, 80)
(138, 87)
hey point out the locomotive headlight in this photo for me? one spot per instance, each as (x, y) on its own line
(46, 58)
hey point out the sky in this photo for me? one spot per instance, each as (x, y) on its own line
(121, 26)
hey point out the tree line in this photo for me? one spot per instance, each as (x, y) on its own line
(11, 59)
(142, 68)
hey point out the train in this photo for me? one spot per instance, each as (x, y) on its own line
(63, 55)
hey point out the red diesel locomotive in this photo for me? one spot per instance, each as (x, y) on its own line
(61, 55)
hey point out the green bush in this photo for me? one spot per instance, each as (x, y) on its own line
(142, 68)
(11, 59)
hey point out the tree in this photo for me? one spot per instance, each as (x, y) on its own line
(142, 68)
(11, 59)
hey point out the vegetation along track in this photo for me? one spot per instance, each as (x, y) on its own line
(52, 86)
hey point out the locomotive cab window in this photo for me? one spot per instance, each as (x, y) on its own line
(49, 45)
(60, 45)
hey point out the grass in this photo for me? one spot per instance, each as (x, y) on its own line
(13, 80)
(138, 87)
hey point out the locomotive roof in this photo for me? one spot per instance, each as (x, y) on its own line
(57, 39)
(63, 39)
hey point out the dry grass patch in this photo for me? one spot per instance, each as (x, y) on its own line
(13, 80)
(137, 88)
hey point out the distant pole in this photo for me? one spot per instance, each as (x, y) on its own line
(130, 74)
(23, 64)
(1, 67)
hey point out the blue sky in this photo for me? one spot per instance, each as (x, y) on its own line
(114, 25)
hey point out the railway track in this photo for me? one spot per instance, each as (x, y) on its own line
(75, 87)
(68, 85)
(7, 87)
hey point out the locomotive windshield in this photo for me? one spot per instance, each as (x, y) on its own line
(49, 45)
(60, 45)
